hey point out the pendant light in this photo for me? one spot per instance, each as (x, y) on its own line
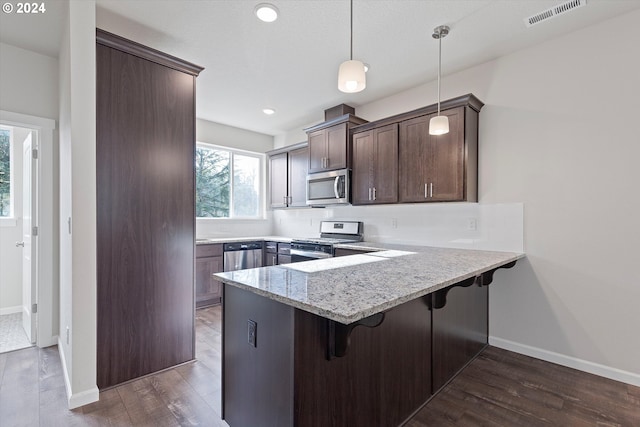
(439, 125)
(351, 77)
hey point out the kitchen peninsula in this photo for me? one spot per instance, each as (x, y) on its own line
(360, 340)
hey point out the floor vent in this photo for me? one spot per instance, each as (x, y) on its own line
(553, 12)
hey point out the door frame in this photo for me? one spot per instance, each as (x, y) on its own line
(47, 282)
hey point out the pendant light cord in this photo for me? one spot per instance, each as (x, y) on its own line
(351, 30)
(439, 67)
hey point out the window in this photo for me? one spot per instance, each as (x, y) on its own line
(228, 183)
(6, 193)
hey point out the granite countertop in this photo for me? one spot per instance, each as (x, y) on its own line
(211, 240)
(348, 289)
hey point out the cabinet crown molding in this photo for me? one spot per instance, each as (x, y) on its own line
(287, 148)
(134, 48)
(468, 100)
(350, 118)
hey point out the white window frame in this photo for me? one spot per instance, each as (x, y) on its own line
(10, 221)
(263, 186)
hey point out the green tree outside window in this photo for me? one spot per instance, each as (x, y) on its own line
(227, 183)
(5, 173)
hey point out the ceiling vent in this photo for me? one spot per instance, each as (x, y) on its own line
(553, 12)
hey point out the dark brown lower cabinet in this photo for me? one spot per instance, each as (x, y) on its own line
(284, 253)
(460, 331)
(277, 253)
(208, 261)
(270, 253)
(388, 373)
(287, 380)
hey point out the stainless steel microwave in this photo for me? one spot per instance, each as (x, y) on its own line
(328, 188)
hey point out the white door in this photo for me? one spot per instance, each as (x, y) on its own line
(29, 294)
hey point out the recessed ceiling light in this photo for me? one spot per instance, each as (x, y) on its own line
(266, 12)
(268, 111)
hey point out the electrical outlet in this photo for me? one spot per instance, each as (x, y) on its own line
(472, 224)
(394, 222)
(252, 332)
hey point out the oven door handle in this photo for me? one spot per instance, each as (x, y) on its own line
(311, 254)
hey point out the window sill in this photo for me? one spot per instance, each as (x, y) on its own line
(8, 222)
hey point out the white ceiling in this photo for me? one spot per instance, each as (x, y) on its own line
(291, 64)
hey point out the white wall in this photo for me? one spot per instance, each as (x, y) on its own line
(10, 233)
(29, 86)
(29, 83)
(497, 226)
(78, 204)
(558, 133)
(228, 136)
(29, 96)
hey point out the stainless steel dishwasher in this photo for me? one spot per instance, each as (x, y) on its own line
(241, 255)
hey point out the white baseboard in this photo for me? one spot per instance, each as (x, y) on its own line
(568, 361)
(11, 310)
(78, 399)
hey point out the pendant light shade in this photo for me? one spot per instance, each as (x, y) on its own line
(439, 125)
(351, 75)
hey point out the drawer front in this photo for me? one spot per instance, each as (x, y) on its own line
(284, 259)
(284, 248)
(271, 247)
(203, 251)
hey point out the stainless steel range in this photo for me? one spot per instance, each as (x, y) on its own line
(331, 233)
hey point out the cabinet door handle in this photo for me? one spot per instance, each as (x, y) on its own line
(374, 193)
(425, 190)
(431, 190)
(369, 193)
(326, 162)
(284, 199)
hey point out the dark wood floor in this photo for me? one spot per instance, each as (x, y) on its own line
(499, 388)
(32, 391)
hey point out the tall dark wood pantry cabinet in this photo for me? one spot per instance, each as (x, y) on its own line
(146, 209)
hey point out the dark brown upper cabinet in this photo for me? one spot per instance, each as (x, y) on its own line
(297, 181)
(430, 168)
(375, 166)
(278, 172)
(329, 143)
(145, 148)
(288, 176)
